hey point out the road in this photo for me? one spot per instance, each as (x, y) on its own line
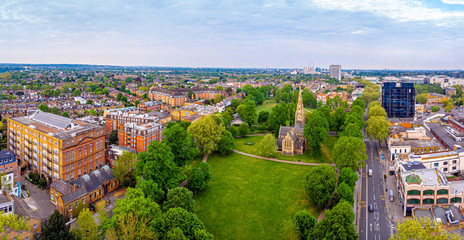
(373, 225)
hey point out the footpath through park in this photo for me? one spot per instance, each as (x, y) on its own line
(282, 161)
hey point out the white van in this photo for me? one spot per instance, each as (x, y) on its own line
(370, 172)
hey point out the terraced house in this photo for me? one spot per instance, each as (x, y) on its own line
(56, 147)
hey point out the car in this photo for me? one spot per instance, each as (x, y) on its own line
(370, 172)
(371, 208)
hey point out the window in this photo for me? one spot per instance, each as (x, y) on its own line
(442, 191)
(456, 200)
(435, 164)
(445, 169)
(413, 192)
(83, 200)
(445, 163)
(429, 192)
(413, 201)
(52, 197)
(454, 168)
(455, 161)
(428, 201)
(70, 207)
(442, 200)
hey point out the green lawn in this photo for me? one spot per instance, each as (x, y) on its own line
(310, 109)
(266, 106)
(326, 156)
(250, 198)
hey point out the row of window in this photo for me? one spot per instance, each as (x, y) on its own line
(432, 201)
(428, 192)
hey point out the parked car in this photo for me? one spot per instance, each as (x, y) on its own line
(371, 208)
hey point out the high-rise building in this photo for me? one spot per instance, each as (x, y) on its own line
(56, 147)
(336, 72)
(309, 70)
(398, 99)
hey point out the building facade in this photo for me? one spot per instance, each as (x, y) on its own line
(56, 147)
(11, 173)
(398, 99)
(336, 72)
(436, 98)
(114, 152)
(178, 96)
(139, 136)
(114, 119)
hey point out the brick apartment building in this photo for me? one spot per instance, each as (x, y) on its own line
(114, 119)
(178, 96)
(139, 136)
(11, 173)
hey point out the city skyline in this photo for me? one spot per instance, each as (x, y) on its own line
(398, 34)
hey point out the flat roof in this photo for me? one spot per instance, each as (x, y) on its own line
(428, 177)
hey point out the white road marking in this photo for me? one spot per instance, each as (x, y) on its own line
(373, 196)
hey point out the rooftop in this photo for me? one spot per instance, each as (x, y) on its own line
(428, 177)
(417, 143)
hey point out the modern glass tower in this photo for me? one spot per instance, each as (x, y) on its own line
(398, 99)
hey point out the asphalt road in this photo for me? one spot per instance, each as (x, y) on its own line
(373, 225)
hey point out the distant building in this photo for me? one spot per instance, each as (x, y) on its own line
(336, 72)
(10, 172)
(398, 99)
(309, 70)
(436, 98)
(450, 91)
(149, 106)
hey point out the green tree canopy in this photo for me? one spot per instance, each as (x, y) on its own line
(352, 130)
(65, 114)
(56, 228)
(339, 116)
(199, 177)
(43, 108)
(180, 218)
(182, 145)
(316, 132)
(55, 110)
(320, 183)
(337, 224)
(86, 227)
(346, 193)
(243, 129)
(247, 112)
(114, 137)
(348, 176)
(263, 116)
(422, 228)
(227, 143)
(207, 133)
(267, 147)
(124, 168)
(180, 197)
(376, 111)
(358, 102)
(378, 128)
(304, 223)
(77, 93)
(349, 152)
(421, 98)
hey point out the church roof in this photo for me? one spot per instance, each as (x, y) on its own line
(283, 131)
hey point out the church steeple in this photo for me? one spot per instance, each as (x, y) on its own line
(299, 114)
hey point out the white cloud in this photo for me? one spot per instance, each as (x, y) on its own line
(453, 2)
(400, 10)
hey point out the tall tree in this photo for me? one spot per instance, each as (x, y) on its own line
(378, 128)
(244, 129)
(278, 117)
(56, 228)
(43, 108)
(358, 102)
(227, 143)
(421, 98)
(180, 197)
(77, 93)
(422, 228)
(352, 130)
(180, 218)
(304, 223)
(86, 227)
(207, 133)
(124, 168)
(158, 165)
(336, 224)
(263, 116)
(346, 193)
(247, 112)
(182, 145)
(356, 119)
(114, 137)
(55, 110)
(316, 132)
(339, 116)
(199, 177)
(320, 183)
(267, 147)
(348, 176)
(349, 152)
(376, 111)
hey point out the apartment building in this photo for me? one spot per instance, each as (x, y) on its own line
(178, 96)
(116, 118)
(149, 106)
(448, 162)
(413, 146)
(114, 152)
(139, 136)
(436, 98)
(56, 147)
(88, 189)
(398, 99)
(10, 172)
(420, 187)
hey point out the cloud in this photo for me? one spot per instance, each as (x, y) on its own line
(453, 2)
(399, 10)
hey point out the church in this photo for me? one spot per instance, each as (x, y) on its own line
(291, 140)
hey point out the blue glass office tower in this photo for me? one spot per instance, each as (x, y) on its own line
(398, 99)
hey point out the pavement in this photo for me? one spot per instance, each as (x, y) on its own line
(374, 225)
(282, 161)
(39, 200)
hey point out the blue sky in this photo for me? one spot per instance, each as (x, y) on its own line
(376, 34)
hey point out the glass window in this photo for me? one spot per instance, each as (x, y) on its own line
(456, 200)
(428, 201)
(442, 191)
(429, 192)
(413, 192)
(413, 201)
(442, 200)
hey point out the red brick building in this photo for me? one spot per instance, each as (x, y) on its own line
(139, 136)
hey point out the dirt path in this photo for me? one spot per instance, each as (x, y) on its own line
(282, 161)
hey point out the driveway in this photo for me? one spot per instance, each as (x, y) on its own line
(39, 200)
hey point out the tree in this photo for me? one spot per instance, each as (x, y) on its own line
(304, 222)
(435, 108)
(376, 111)
(12, 222)
(86, 227)
(217, 98)
(356, 119)
(348, 176)
(181, 143)
(199, 177)
(228, 116)
(56, 228)
(349, 152)
(320, 183)
(65, 114)
(124, 168)
(339, 116)
(43, 108)
(119, 96)
(336, 224)
(226, 144)
(180, 218)
(346, 193)
(267, 147)
(316, 132)
(157, 164)
(422, 228)
(93, 112)
(244, 129)
(373, 104)
(180, 197)
(114, 137)
(421, 98)
(207, 133)
(378, 128)
(150, 189)
(247, 112)
(358, 102)
(357, 109)
(77, 93)
(278, 117)
(137, 217)
(333, 200)
(55, 110)
(352, 130)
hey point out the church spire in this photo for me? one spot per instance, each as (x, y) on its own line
(299, 114)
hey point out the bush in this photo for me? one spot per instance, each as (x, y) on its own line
(34, 177)
(42, 183)
(435, 108)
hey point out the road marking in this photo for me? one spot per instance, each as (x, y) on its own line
(373, 196)
(367, 200)
(375, 205)
(370, 227)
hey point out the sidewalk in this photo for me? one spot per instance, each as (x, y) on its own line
(394, 209)
(357, 198)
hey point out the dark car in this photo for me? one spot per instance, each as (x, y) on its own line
(371, 208)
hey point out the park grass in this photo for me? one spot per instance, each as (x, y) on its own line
(310, 109)
(266, 106)
(326, 156)
(250, 198)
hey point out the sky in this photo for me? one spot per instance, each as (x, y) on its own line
(358, 34)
